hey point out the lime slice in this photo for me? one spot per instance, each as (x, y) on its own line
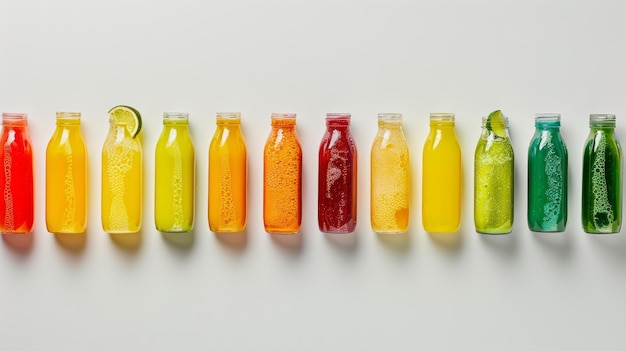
(496, 124)
(128, 116)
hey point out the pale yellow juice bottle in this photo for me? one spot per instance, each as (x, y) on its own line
(227, 175)
(66, 176)
(390, 178)
(441, 176)
(122, 172)
(174, 175)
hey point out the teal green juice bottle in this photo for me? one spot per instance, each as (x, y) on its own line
(602, 178)
(547, 176)
(493, 177)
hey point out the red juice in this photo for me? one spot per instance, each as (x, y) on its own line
(16, 178)
(336, 209)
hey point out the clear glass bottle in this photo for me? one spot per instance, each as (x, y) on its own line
(174, 175)
(16, 209)
(66, 176)
(602, 177)
(547, 176)
(122, 180)
(493, 181)
(390, 177)
(227, 175)
(282, 177)
(441, 176)
(336, 206)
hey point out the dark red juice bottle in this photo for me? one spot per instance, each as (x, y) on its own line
(336, 209)
(16, 178)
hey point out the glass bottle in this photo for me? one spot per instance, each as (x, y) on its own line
(282, 177)
(441, 176)
(493, 181)
(16, 209)
(547, 176)
(122, 180)
(227, 175)
(602, 177)
(390, 177)
(174, 175)
(66, 176)
(336, 208)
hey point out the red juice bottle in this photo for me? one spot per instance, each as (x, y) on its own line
(336, 209)
(16, 178)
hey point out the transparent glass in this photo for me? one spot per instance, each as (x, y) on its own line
(174, 175)
(122, 181)
(547, 176)
(441, 176)
(493, 182)
(16, 209)
(602, 177)
(227, 175)
(390, 177)
(66, 176)
(337, 178)
(282, 177)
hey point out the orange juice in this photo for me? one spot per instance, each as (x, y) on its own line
(441, 176)
(227, 175)
(66, 176)
(282, 177)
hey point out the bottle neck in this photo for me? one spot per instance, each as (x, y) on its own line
(67, 118)
(284, 120)
(14, 120)
(227, 119)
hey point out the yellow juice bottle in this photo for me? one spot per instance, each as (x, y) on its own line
(66, 176)
(174, 175)
(121, 208)
(442, 176)
(390, 187)
(227, 175)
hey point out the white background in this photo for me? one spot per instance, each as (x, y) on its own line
(313, 291)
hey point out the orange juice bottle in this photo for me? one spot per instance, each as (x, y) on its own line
(66, 176)
(227, 175)
(441, 178)
(282, 177)
(390, 181)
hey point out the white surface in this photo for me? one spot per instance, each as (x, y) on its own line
(356, 292)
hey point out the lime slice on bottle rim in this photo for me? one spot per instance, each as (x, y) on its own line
(128, 116)
(496, 123)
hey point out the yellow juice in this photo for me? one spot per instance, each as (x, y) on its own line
(227, 175)
(121, 181)
(66, 177)
(390, 181)
(441, 177)
(174, 179)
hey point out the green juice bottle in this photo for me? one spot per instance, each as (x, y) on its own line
(602, 177)
(547, 176)
(493, 177)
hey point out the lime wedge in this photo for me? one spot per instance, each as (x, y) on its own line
(496, 123)
(128, 116)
